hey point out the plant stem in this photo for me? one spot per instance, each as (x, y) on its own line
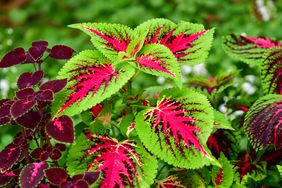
(26, 154)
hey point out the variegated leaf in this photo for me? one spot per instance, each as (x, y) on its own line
(247, 49)
(177, 128)
(92, 78)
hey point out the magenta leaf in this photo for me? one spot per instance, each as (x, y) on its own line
(30, 120)
(54, 85)
(32, 174)
(56, 176)
(6, 177)
(156, 59)
(61, 129)
(14, 57)
(9, 156)
(262, 122)
(110, 39)
(21, 107)
(92, 78)
(121, 163)
(61, 52)
(271, 72)
(188, 42)
(44, 95)
(29, 79)
(248, 49)
(177, 128)
(24, 93)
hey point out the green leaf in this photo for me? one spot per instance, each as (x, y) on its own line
(100, 152)
(220, 121)
(91, 79)
(158, 60)
(271, 72)
(247, 49)
(110, 39)
(263, 122)
(223, 177)
(177, 128)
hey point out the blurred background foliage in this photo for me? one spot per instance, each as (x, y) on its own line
(24, 21)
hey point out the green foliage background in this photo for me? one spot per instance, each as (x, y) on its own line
(23, 21)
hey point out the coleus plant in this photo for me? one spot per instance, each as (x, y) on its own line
(124, 136)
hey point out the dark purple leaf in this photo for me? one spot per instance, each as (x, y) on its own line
(61, 129)
(14, 57)
(5, 110)
(81, 184)
(39, 43)
(9, 156)
(56, 154)
(21, 107)
(32, 174)
(61, 147)
(30, 120)
(44, 185)
(61, 52)
(56, 176)
(44, 156)
(2, 101)
(263, 122)
(44, 95)
(24, 93)
(36, 153)
(6, 177)
(91, 177)
(29, 79)
(54, 85)
(4, 120)
(36, 52)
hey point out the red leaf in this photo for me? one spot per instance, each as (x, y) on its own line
(116, 160)
(61, 52)
(36, 153)
(56, 176)
(32, 174)
(61, 129)
(54, 85)
(21, 107)
(95, 110)
(12, 58)
(29, 79)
